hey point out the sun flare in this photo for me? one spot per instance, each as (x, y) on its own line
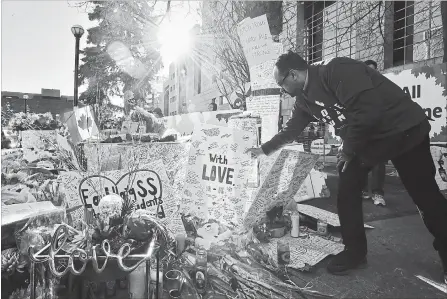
(175, 39)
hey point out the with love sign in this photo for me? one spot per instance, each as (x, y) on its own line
(218, 173)
(148, 186)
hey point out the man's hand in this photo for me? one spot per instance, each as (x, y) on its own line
(343, 160)
(255, 152)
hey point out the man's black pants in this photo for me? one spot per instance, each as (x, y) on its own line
(417, 172)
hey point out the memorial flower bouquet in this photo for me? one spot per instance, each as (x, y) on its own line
(32, 121)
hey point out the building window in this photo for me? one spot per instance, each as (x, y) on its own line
(403, 32)
(172, 99)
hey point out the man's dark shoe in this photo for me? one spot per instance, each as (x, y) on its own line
(346, 261)
(443, 256)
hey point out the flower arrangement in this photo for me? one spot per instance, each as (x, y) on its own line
(33, 121)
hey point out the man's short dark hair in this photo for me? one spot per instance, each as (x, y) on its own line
(371, 62)
(291, 61)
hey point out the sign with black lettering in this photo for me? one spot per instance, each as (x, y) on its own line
(147, 185)
(218, 173)
(427, 86)
(142, 186)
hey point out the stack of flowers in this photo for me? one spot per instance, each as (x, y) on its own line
(32, 121)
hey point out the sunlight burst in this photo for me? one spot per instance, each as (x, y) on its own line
(175, 39)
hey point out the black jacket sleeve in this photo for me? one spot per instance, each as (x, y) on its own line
(292, 129)
(352, 85)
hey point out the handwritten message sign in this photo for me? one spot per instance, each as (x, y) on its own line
(268, 108)
(148, 185)
(282, 182)
(217, 174)
(256, 40)
(261, 75)
(305, 251)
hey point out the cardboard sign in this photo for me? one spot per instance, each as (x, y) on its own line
(217, 174)
(148, 185)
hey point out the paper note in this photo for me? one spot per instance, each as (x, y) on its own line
(309, 250)
(261, 75)
(282, 182)
(320, 214)
(256, 40)
(268, 108)
(217, 174)
(147, 184)
(23, 211)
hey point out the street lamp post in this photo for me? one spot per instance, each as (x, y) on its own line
(25, 98)
(77, 31)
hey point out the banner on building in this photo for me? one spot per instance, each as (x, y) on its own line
(217, 174)
(427, 86)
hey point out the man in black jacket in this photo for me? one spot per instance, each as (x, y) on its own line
(377, 122)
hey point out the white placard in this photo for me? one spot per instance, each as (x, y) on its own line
(268, 108)
(307, 251)
(261, 75)
(217, 174)
(256, 40)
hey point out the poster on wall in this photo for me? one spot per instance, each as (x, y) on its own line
(147, 185)
(217, 174)
(268, 108)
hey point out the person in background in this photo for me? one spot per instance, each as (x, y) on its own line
(377, 172)
(212, 106)
(377, 122)
(157, 112)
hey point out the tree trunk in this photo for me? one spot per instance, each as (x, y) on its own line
(444, 27)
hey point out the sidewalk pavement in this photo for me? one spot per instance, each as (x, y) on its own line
(398, 250)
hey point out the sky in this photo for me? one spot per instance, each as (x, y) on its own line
(37, 46)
